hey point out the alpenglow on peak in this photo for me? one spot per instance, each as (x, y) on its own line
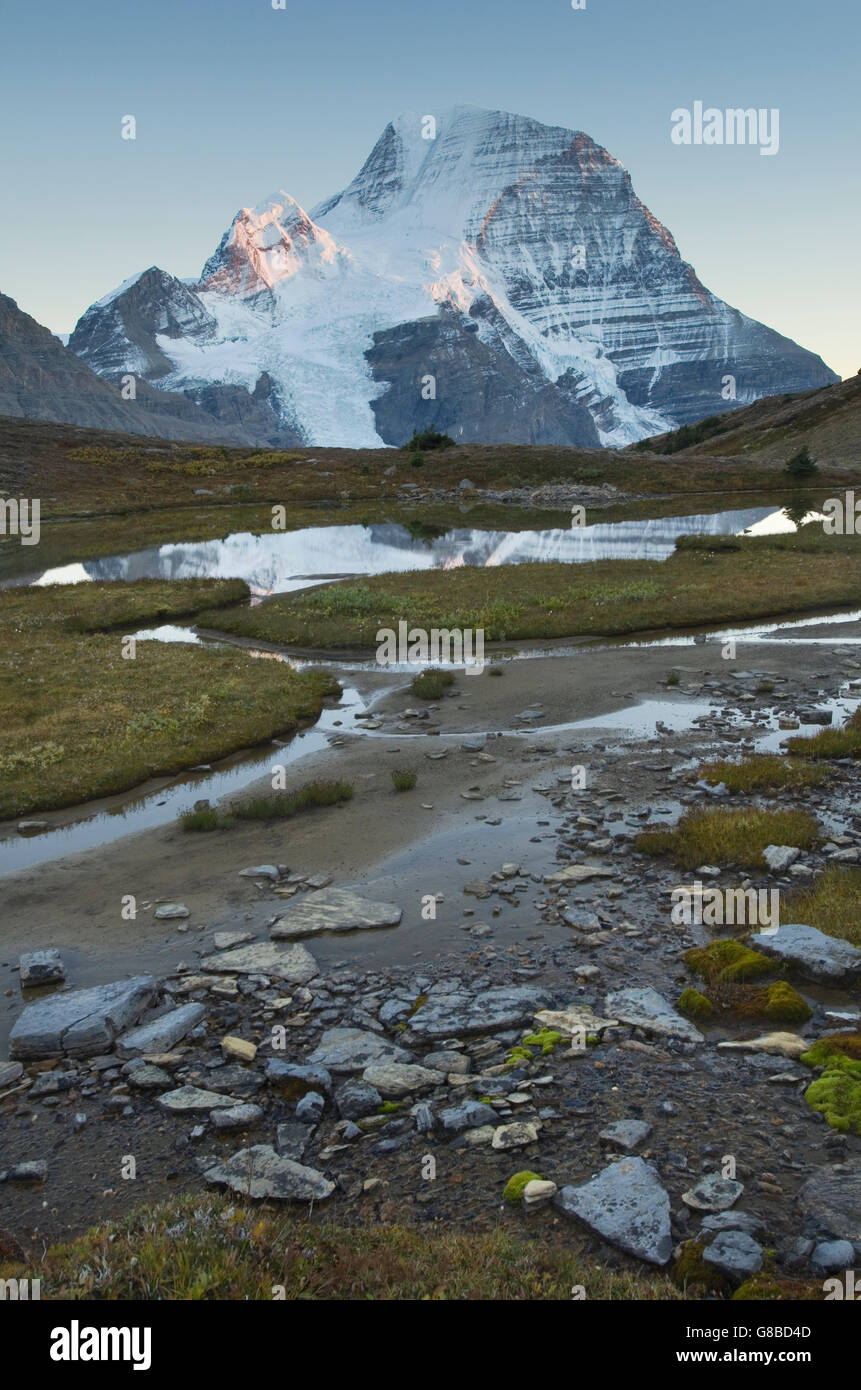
(483, 273)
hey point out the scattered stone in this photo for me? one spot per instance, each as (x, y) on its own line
(34, 1170)
(309, 1110)
(578, 873)
(270, 871)
(470, 1114)
(628, 1206)
(830, 1201)
(82, 1023)
(537, 1193)
(448, 1062)
(733, 1221)
(625, 1134)
(356, 1099)
(261, 1172)
(645, 1008)
(281, 1073)
(777, 1044)
(41, 968)
(396, 1079)
(10, 1072)
(514, 1136)
(734, 1254)
(460, 1014)
(779, 857)
(237, 1116)
(162, 1033)
(337, 909)
(192, 1100)
(825, 959)
(225, 940)
(295, 964)
(238, 1049)
(171, 912)
(833, 1256)
(351, 1050)
(713, 1193)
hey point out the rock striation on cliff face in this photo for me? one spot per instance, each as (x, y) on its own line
(489, 275)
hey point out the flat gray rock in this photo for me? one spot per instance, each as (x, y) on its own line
(10, 1072)
(459, 1013)
(189, 1100)
(294, 964)
(270, 871)
(350, 1050)
(171, 912)
(713, 1193)
(833, 1256)
(236, 1116)
(396, 1079)
(824, 959)
(281, 1073)
(645, 1008)
(625, 1134)
(579, 873)
(470, 1114)
(734, 1221)
(41, 968)
(830, 1201)
(779, 857)
(261, 1172)
(82, 1023)
(355, 1100)
(162, 1033)
(734, 1254)
(626, 1205)
(334, 909)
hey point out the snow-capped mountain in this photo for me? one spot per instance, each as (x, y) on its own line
(491, 276)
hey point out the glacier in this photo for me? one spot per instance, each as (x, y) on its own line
(508, 262)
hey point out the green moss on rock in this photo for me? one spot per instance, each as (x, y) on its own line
(727, 961)
(545, 1038)
(515, 1185)
(836, 1094)
(696, 1005)
(691, 1271)
(779, 1003)
(846, 1045)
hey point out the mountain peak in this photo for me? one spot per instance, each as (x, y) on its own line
(509, 260)
(266, 244)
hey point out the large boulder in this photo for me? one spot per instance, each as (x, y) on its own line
(824, 959)
(82, 1023)
(628, 1206)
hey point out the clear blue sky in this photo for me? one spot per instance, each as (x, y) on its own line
(234, 99)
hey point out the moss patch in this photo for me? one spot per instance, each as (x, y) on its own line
(515, 1185)
(836, 1094)
(727, 960)
(696, 1005)
(692, 1271)
(779, 1003)
(835, 1044)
